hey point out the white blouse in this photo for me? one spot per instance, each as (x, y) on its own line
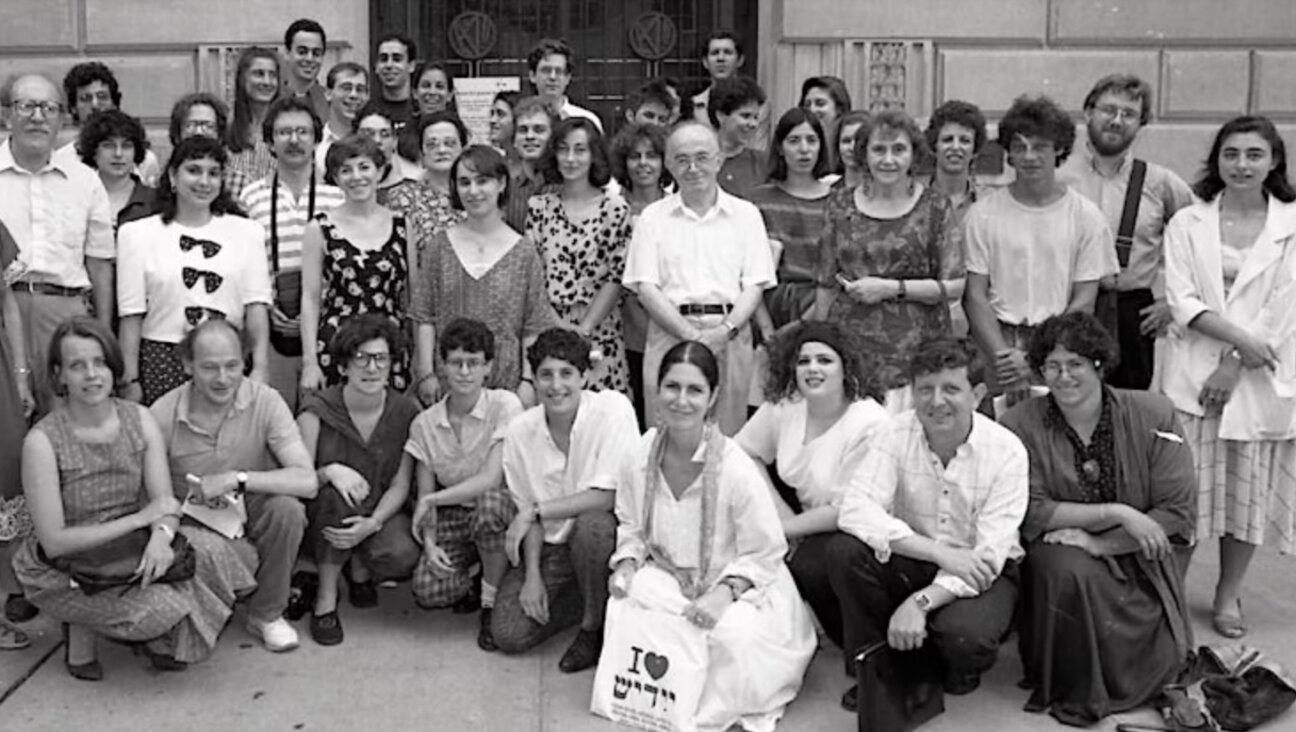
(165, 269)
(820, 469)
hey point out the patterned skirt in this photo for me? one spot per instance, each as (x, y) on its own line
(1245, 489)
(160, 369)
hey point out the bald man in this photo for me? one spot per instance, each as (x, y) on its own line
(58, 212)
(699, 261)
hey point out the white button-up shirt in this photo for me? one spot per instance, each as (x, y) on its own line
(978, 501)
(535, 469)
(704, 260)
(59, 216)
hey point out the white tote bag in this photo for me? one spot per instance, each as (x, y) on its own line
(652, 670)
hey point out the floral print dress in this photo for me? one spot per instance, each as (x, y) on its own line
(925, 243)
(359, 281)
(580, 257)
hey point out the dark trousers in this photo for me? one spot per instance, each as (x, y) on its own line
(575, 576)
(809, 567)
(963, 636)
(389, 554)
(1137, 351)
(634, 361)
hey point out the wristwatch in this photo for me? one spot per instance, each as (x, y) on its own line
(733, 329)
(923, 601)
(535, 513)
(242, 478)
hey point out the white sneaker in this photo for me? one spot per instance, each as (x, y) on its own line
(277, 635)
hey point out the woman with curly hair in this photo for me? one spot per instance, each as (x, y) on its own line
(198, 258)
(815, 427)
(956, 133)
(113, 143)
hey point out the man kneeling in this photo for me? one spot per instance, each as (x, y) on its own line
(561, 462)
(929, 547)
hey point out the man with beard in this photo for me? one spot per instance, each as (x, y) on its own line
(1035, 248)
(348, 93)
(1115, 110)
(283, 203)
(304, 43)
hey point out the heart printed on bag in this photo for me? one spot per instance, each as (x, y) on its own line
(656, 665)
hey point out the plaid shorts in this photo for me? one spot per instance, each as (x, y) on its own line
(465, 534)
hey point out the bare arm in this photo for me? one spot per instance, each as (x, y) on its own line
(981, 318)
(591, 499)
(815, 521)
(665, 313)
(1083, 297)
(490, 476)
(256, 319)
(606, 299)
(103, 280)
(311, 274)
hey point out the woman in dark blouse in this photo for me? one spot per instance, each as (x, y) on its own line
(1103, 624)
(356, 432)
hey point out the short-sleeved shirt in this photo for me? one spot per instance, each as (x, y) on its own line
(604, 432)
(568, 110)
(165, 268)
(455, 458)
(294, 213)
(818, 470)
(1164, 193)
(705, 260)
(257, 428)
(59, 216)
(1034, 254)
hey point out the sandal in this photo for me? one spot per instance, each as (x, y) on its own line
(11, 638)
(1230, 626)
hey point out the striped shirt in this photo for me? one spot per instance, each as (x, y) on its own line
(257, 199)
(977, 501)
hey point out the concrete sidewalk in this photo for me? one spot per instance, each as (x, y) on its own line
(402, 668)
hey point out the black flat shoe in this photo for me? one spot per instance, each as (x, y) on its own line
(18, 609)
(583, 652)
(88, 671)
(850, 700)
(301, 595)
(326, 629)
(362, 594)
(160, 661)
(485, 637)
(469, 603)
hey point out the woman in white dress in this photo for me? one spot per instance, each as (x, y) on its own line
(699, 537)
(815, 426)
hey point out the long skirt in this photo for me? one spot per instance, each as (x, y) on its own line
(187, 617)
(1245, 489)
(759, 651)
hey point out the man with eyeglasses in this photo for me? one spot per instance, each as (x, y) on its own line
(348, 93)
(57, 210)
(92, 87)
(1035, 248)
(304, 44)
(699, 261)
(550, 65)
(1133, 303)
(283, 203)
(232, 442)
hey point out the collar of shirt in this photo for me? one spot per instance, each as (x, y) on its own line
(242, 400)
(1091, 160)
(478, 412)
(724, 205)
(8, 162)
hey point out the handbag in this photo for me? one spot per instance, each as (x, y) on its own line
(287, 289)
(113, 564)
(652, 669)
(898, 690)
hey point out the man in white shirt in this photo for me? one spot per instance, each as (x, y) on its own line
(549, 66)
(348, 93)
(700, 261)
(284, 202)
(1116, 109)
(561, 462)
(57, 210)
(1035, 248)
(929, 543)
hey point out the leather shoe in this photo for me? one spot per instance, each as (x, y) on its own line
(18, 609)
(583, 652)
(88, 671)
(326, 629)
(363, 594)
(485, 636)
(850, 700)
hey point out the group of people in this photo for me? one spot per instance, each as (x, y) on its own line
(334, 341)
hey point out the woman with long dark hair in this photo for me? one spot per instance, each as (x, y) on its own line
(198, 258)
(256, 85)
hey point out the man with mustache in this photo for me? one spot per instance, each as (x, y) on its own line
(1035, 248)
(1102, 170)
(58, 212)
(284, 202)
(304, 44)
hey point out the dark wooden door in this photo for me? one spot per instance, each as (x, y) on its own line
(611, 39)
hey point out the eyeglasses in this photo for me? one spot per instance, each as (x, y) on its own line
(28, 108)
(363, 360)
(460, 364)
(91, 97)
(200, 125)
(1118, 113)
(700, 160)
(1053, 369)
(286, 133)
(384, 134)
(552, 71)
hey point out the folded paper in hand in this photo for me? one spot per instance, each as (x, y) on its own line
(227, 520)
